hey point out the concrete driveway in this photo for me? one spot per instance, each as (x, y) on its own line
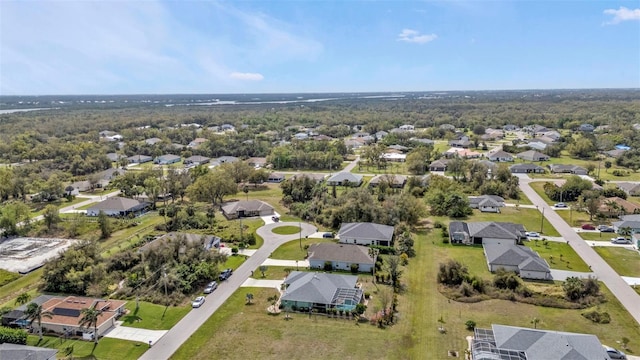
(189, 324)
(251, 282)
(562, 275)
(289, 263)
(135, 334)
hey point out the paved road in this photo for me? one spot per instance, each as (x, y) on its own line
(353, 164)
(181, 332)
(629, 299)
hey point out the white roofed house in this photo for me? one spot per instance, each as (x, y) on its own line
(364, 233)
(532, 155)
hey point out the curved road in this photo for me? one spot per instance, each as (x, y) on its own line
(172, 340)
(629, 299)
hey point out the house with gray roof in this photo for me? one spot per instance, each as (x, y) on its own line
(567, 169)
(438, 165)
(321, 291)
(227, 159)
(366, 233)
(463, 143)
(630, 221)
(517, 258)
(503, 342)
(526, 169)
(118, 206)
(532, 155)
(152, 141)
(341, 257)
(630, 188)
(486, 203)
(139, 159)
(615, 153)
(246, 208)
(345, 178)
(24, 352)
(500, 156)
(394, 181)
(196, 160)
(167, 159)
(275, 177)
(115, 156)
(535, 144)
(486, 232)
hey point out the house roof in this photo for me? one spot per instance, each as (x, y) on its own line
(545, 344)
(167, 157)
(439, 163)
(532, 155)
(526, 167)
(626, 205)
(316, 287)
(117, 203)
(487, 200)
(566, 168)
(139, 158)
(364, 230)
(23, 352)
(489, 164)
(197, 158)
(276, 175)
(500, 154)
(629, 186)
(257, 160)
(246, 205)
(496, 230)
(392, 178)
(227, 159)
(342, 176)
(515, 255)
(67, 311)
(615, 152)
(207, 241)
(340, 252)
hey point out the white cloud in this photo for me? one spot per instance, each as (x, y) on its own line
(622, 14)
(246, 76)
(414, 36)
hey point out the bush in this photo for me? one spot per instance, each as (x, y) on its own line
(354, 268)
(404, 259)
(598, 317)
(360, 309)
(13, 336)
(438, 225)
(385, 250)
(234, 250)
(452, 273)
(506, 280)
(328, 266)
(470, 325)
(367, 295)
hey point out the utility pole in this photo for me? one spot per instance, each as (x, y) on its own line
(542, 220)
(300, 233)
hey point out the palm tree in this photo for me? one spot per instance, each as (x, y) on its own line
(23, 298)
(535, 321)
(35, 312)
(626, 232)
(89, 319)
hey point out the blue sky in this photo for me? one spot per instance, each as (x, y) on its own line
(157, 47)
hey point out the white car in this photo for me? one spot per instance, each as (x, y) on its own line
(614, 353)
(560, 205)
(198, 302)
(620, 240)
(532, 234)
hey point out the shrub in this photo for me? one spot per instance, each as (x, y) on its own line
(470, 325)
(598, 317)
(360, 309)
(506, 280)
(367, 295)
(354, 268)
(452, 273)
(385, 250)
(328, 266)
(404, 259)
(234, 250)
(466, 289)
(438, 225)
(13, 336)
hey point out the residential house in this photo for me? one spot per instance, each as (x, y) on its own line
(407, 127)
(491, 166)
(438, 165)
(139, 159)
(365, 233)
(167, 159)
(345, 179)
(197, 142)
(227, 128)
(227, 159)
(553, 135)
(381, 134)
(486, 203)
(361, 134)
(486, 232)
(301, 136)
(630, 188)
(246, 208)
(586, 128)
(353, 143)
(208, 242)
(463, 142)
(118, 206)
(276, 177)
(517, 258)
(400, 148)
(78, 187)
(394, 181)
(463, 153)
(24, 352)
(500, 156)
(341, 257)
(615, 206)
(196, 160)
(567, 169)
(321, 291)
(503, 342)
(114, 157)
(67, 312)
(18, 317)
(395, 157)
(628, 221)
(615, 153)
(422, 141)
(535, 129)
(533, 144)
(152, 141)
(318, 178)
(257, 162)
(532, 155)
(526, 169)
(323, 137)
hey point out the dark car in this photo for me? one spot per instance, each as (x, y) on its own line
(225, 274)
(588, 227)
(210, 287)
(327, 235)
(275, 218)
(605, 228)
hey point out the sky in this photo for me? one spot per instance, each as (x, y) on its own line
(171, 47)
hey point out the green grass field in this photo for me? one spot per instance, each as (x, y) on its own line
(286, 230)
(596, 236)
(152, 316)
(575, 218)
(273, 272)
(107, 348)
(538, 186)
(559, 255)
(7, 277)
(530, 218)
(624, 261)
(293, 251)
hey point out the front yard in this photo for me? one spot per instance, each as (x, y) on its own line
(625, 262)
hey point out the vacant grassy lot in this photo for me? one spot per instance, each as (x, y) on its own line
(107, 349)
(293, 251)
(596, 236)
(7, 277)
(273, 272)
(575, 218)
(538, 186)
(530, 218)
(559, 255)
(624, 261)
(286, 230)
(153, 316)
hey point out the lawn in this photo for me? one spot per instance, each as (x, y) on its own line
(7, 277)
(293, 251)
(530, 218)
(575, 218)
(274, 272)
(107, 348)
(286, 230)
(538, 186)
(524, 200)
(152, 316)
(38, 208)
(624, 261)
(234, 261)
(559, 255)
(596, 236)
(9, 292)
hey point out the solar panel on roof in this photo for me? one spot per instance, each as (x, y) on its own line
(66, 312)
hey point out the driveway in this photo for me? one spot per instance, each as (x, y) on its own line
(269, 218)
(250, 282)
(351, 165)
(135, 334)
(620, 289)
(189, 324)
(289, 263)
(562, 275)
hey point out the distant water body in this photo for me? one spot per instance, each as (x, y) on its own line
(9, 111)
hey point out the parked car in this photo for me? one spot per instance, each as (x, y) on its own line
(614, 353)
(198, 302)
(532, 234)
(275, 218)
(588, 227)
(605, 228)
(327, 235)
(620, 240)
(225, 274)
(210, 287)
(560, 205)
